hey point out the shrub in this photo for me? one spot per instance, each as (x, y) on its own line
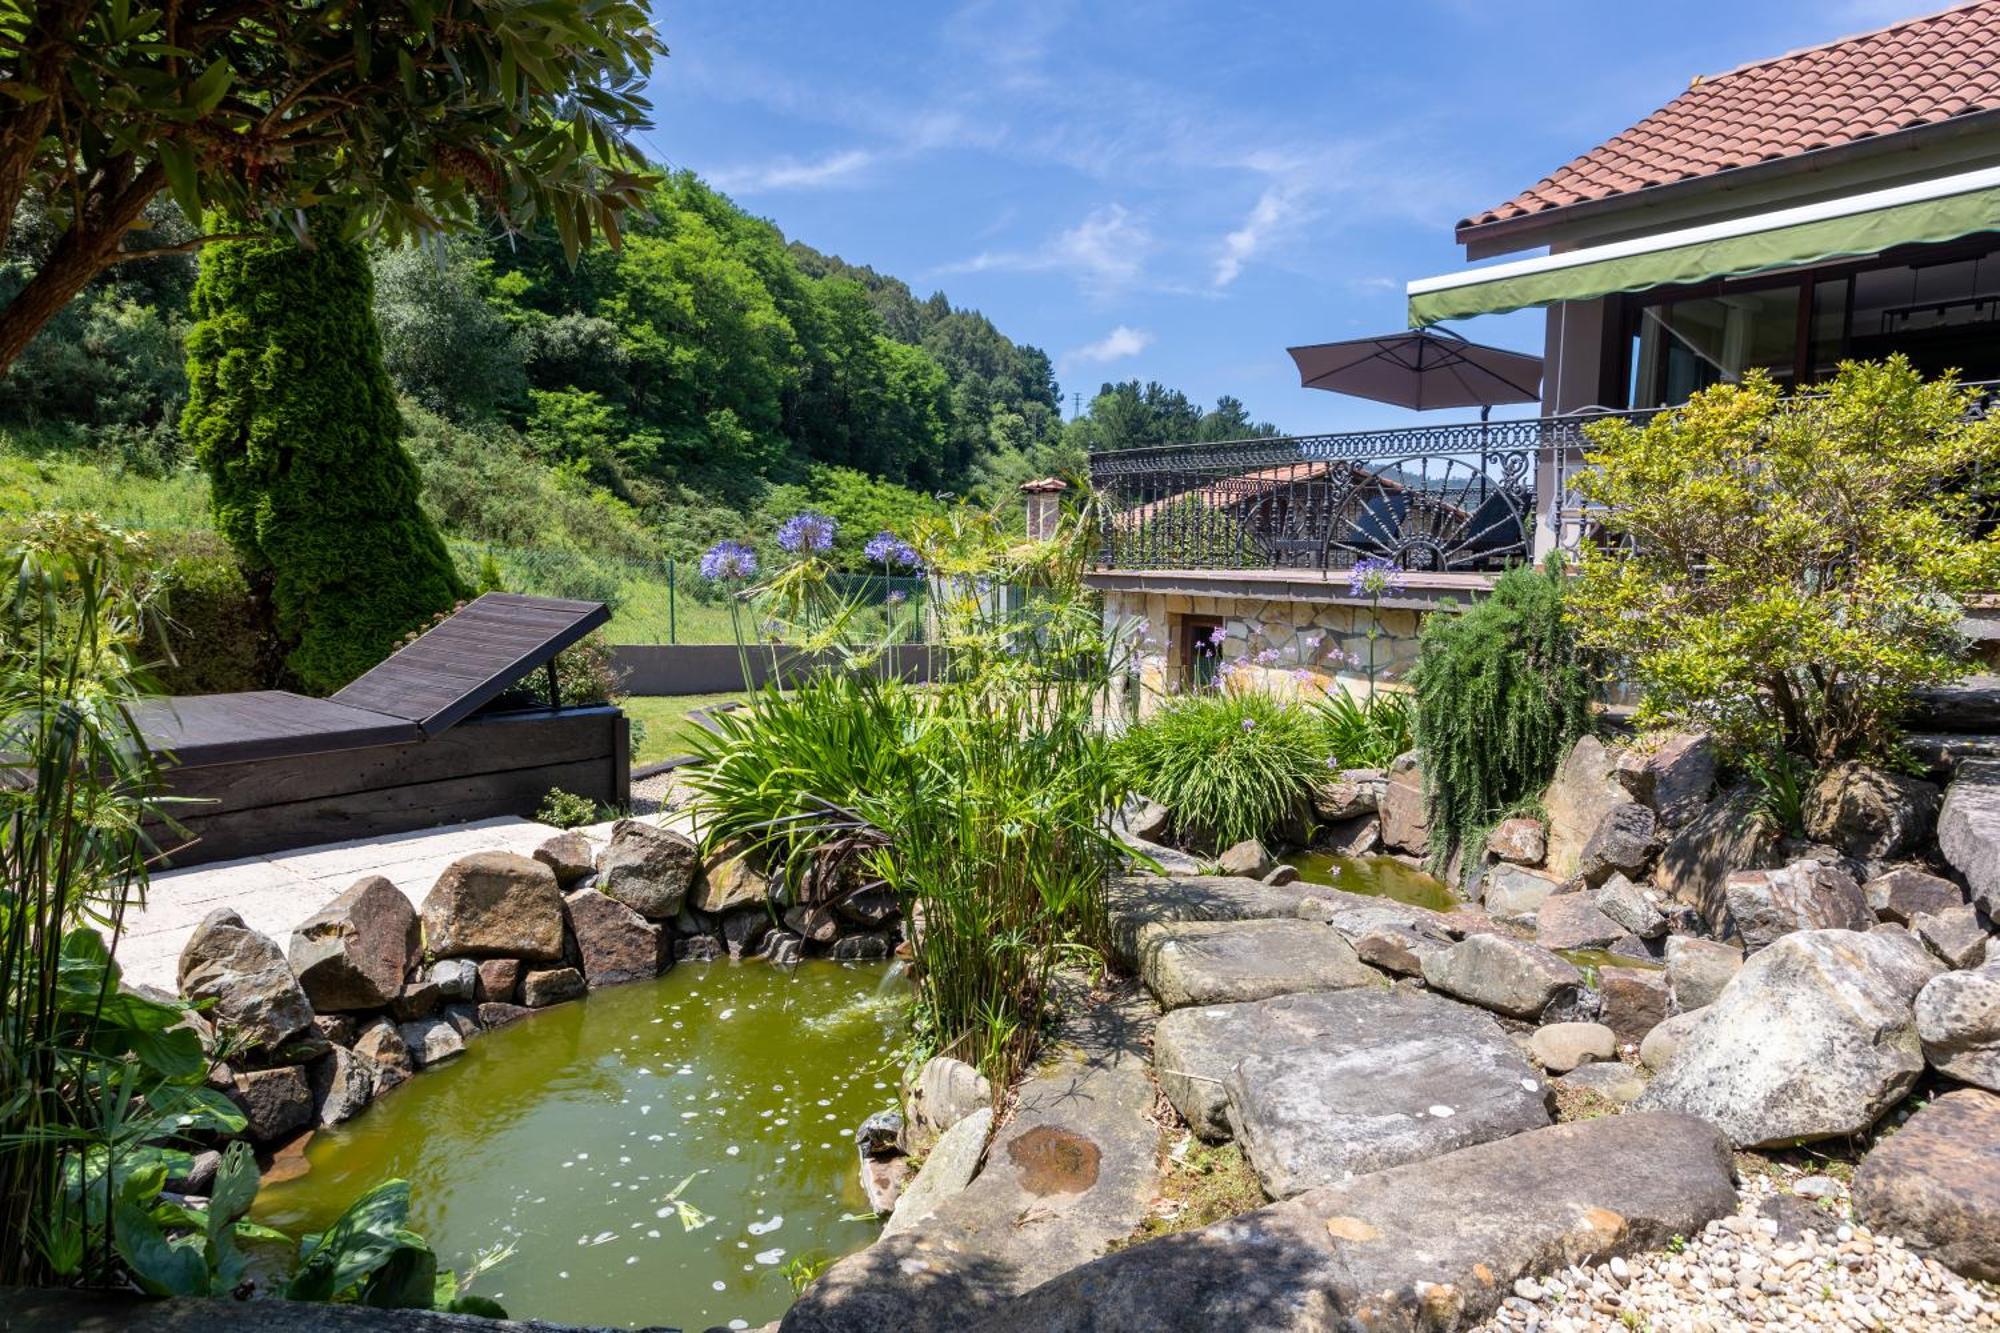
(1365, 732)
(1230, 765)
(214, 637)
(1502, 694)
(1796, 563)
(566, 809)
(291, 414)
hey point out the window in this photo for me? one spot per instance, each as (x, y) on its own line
(1201, 654)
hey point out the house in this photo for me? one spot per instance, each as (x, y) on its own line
(1836, 202)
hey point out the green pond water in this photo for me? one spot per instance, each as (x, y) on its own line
(1377, 876)
(565, 1135)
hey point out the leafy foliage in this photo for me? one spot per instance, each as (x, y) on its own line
(293, 419)
(1796, 562)
(1229, 764)
(1501, 694)
(1366, 731)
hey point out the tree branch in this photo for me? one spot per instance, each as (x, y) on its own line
(182, 247)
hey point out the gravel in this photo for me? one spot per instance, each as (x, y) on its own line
(1792, 1256)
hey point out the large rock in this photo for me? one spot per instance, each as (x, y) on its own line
(1392, 1078)
(342, 1085)
(1664, 1042)
(1133, 902)
(1518, 841)
(274, 1102)
(945, 1091)
(354, 952)
(1815, 1038)
(1348, 796)
(1698, 969)
(1405, 825)
(1433, 1245)
(432, 1041)
(1143, 818)
(1672, 775)
(1622, 844)
(731, 879)
(1958, 1019)
(550, 986)
(1572, 921)
(1247, 858)
(648, 868)
(1627, 904)
(494, 905)
(1584, 792)
(1506, 975)
(256, 996)
(614, 942)
(1514, 893)
(948, 1168)
(1631, 1001)
(1953, 934)
(1869, 814)
(1225, 962)
(568, 857)
(1732, 833)
(1904, 893)
(1935, 1183)
(386, 1056)
(1561, 1047)
(1968, 830)
(1805, 895)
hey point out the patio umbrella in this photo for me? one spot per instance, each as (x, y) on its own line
(1422, 369)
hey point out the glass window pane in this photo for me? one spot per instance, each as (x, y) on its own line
(1715, 339)
(1829, 326)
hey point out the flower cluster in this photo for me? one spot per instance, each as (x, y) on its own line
(807, 532)
(886, 548)
(729, 560)
(1374, 578)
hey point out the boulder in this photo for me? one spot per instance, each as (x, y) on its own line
(1631, 1001)
(1506, 975)
(1281, 874)
(1731, 833)
(1561, 1047)
(1968, 830)
(1612, 1080)
(495, 1014)
(551, 986)
(1431, 1245)
(417, 999)
(1144, 818)
(1672, 775)
(342, 1084)
(354, 952)
(1405, 824)
(817, 924)
(431, 1041)
(1664, 1042)
(274, 1102)
(1518, 842)
(568, 856)
(945, 1091)
(745, 930)
(1225, 962)
(614, 943)
(1361, 836)
(1334, 1085)
(948, 1168)
(1958, 1020)
(1343, 798)
(256, 996)
(1132, 902)
(1627, 904)
(1622, 844)
(1247, 858)
(385, 1055)
(699, 948)
(1397, 948)
(1584, 792)
(1805, 895)
(338, 1029)
(731, 879)
(1905, 893)
(1870, 814)
(464, 1019)
(1815, 1038)
(864, 947)
(455, 978)
(1953, 934)
(1935, 1183)
(782, 948)
(494, 904)
(1515, 894)
(1572, 921)
(870, 908)
(648, 868)
(1698, 969)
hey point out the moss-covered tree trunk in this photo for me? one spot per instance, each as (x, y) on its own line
(292, 415)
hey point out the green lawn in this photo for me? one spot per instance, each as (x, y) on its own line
(666, 722)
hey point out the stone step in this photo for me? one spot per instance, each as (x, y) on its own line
(1226, 962)
(1068, 1176)
(1432, 1245)
(1133, 902)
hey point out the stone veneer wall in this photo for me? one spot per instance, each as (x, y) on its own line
(1285, 645)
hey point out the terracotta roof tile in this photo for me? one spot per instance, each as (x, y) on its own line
(1917, 72)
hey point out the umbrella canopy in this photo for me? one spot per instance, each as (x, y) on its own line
(1421, 368)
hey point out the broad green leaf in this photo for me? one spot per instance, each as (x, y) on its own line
(161, 1266)
(206, 92)
(178, 163)
(361, 1241)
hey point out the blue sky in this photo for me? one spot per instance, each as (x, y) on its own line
(1178, 191)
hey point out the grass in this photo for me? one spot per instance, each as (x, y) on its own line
(666, 721)
(32, 480)
(1204, 1183)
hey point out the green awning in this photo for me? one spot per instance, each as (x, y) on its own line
(1938, 210)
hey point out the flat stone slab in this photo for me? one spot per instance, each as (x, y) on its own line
(1068, 1176)
(1227, 962)
(1433, 1245)
(1936, 1183)
(1394, 1077)
(1133, 902)
(29, 1310)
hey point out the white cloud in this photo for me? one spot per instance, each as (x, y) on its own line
(789, 173)
(1276, 210)
(1122, 342)
(1106, 252)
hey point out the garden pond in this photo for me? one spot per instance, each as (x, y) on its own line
(1376, 876)
(663, 1153)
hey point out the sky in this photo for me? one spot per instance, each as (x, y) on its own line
(1178, 191)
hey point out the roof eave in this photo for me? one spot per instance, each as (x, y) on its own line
(1506, 235)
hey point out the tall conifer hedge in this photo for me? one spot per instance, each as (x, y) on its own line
(292, 415)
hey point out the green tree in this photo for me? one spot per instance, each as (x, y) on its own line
(1796, 565)
(414, 115)
(443, 341)
(292, 416)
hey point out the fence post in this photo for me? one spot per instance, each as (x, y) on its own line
(673, 629)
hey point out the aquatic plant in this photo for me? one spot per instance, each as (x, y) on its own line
(1230, 765)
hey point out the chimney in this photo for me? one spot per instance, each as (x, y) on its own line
(1044, 501)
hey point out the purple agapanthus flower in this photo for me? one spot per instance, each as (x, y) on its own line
(729, 560)
(1373, 578)
(1219, 635)
(886, 548)
(897, 597)
(807, 533)
(1249, 724)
